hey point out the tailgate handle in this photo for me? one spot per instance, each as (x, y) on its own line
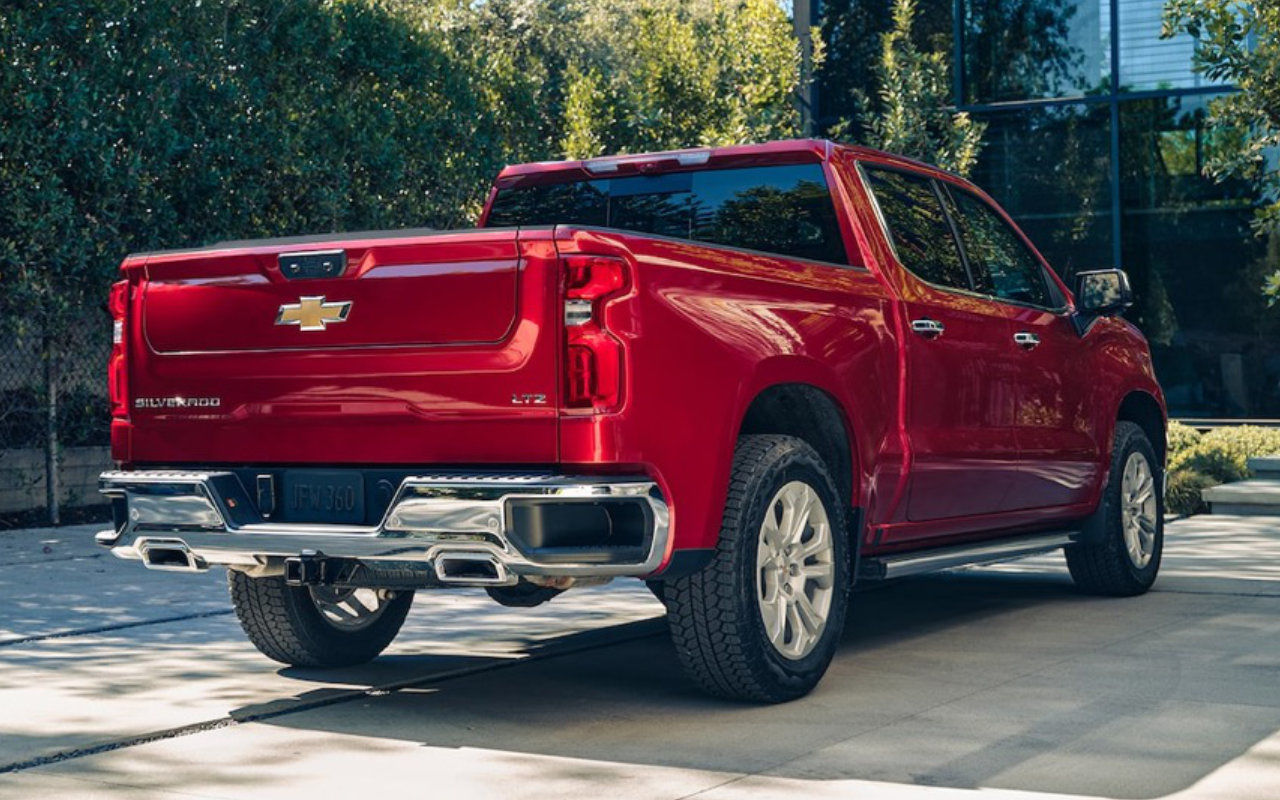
(313, 264)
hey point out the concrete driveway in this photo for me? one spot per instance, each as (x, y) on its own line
(991, 683)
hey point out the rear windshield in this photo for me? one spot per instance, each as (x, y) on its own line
(784, 210)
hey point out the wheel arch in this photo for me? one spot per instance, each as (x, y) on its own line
(812, 414)
(1142, 409)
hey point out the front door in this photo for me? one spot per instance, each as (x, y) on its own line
(1056, 440)
(1061, 456)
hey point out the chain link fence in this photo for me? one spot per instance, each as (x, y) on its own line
(54, 423)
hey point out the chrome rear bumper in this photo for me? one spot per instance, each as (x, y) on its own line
(189, 521)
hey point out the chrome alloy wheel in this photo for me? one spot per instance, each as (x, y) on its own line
(1138, 509)
(350, 609)
(795, 570)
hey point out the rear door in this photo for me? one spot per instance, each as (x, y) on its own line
(961, 383)
(1059, 451)
(409, 348)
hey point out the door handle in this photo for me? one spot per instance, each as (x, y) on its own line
(1027, 341)
(928, 328)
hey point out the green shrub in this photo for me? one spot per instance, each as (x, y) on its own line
(1257, 440)
(1182, 493)
(84, 418)
(1181, 437)
(131, 126)
(1220, 463)
(1224, 453)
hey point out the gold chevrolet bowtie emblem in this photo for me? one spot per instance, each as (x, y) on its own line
(313, 313)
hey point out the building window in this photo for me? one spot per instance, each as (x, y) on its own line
(1049, 168)
(1031, 49)
(1148, 62)
(1195, 264)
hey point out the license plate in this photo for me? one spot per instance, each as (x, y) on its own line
(332, 496)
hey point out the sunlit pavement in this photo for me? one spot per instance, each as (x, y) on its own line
(992, 683)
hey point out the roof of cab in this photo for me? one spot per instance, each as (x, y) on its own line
(786, 151)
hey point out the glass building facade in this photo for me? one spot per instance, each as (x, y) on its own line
(1096, 143)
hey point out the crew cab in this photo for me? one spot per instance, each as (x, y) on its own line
(750, 376)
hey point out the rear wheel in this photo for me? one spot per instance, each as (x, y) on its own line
(1123, 556)
(319, 626)
(761, 622)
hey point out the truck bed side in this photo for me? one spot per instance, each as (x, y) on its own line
(706, 331)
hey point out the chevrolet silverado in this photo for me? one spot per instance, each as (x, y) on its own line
(748, 375)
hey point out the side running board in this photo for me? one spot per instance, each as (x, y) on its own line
(987, 552)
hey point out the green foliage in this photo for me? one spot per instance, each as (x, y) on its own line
(1223, 453)
(1271, 287)
(1238, 41)
(83, 418)
(913, 118)
(1026, 48)
(679, 74)
(1198, 461)
(1182, 491)
(852, 30)
(132, 125)
(587, 113)
(1181, 438)
(1224, 464)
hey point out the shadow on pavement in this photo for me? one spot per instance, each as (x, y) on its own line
(966, 680)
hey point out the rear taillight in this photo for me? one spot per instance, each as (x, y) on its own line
(593, 357)
(117, 374)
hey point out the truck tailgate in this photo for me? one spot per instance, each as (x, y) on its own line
(397, 348)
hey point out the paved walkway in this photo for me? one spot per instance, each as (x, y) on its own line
(993, 683)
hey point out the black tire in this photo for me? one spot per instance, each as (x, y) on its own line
(1102, 564)
(284, 623)
(716, 621)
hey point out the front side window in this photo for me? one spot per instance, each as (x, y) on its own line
(1002, 264)
(918, 226)
(785, 210)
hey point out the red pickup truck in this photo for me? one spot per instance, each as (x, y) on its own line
(748, 375)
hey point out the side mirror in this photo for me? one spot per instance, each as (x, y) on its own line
(1103, 292)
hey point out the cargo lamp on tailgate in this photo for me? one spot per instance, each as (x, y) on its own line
(117, 374)
(593, 357)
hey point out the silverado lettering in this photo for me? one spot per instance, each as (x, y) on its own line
(177, 402)
(770, 371)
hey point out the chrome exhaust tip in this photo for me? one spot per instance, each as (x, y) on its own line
(169, 556)
(471, 569)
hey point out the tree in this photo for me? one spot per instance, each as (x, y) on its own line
(138, 125)
(1017, 49)
(914, 118)
(134, 125)
(658, 74)
(1238, 42)
(851, 32)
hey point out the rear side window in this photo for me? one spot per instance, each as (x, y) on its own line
(918, 226)
(786, 210)
(1002, 264)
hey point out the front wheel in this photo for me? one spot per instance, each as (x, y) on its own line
(1123, 554)
(761, 622)
(317, 626)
